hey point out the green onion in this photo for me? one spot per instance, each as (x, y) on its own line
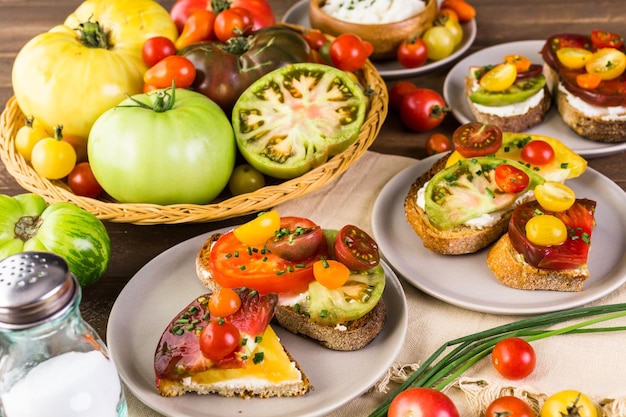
(438, 372)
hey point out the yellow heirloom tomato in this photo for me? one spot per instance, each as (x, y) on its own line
(73, 73)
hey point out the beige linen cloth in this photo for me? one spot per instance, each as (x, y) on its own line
(593, 363)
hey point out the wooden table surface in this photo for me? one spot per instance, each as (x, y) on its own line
(133, 246)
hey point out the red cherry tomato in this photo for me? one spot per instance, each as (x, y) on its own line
(173, 67)
(437, 143)
(509, 406)
(232, 22)
(157, 48)
(199, 27)
(398, 91)
(219, 339)
(602, 39)
(82, 182)
(349, 52)
(423, 402)
(511, 179)
(356, 249)
(315, 38)
(412, 53)
(477, 139)
(513, 358)
(537, 152)
(423, 110)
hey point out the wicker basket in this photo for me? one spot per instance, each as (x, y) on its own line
(269, 196)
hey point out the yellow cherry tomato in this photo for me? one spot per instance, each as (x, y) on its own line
(330, 273)
(572, 57)
(608, 63)
(257, 231)
(568, 402)
(499, 78)
(27, 136)
(52, 157)
(554, 196)
(546, 230)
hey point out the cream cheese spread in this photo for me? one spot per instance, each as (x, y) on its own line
(590, 110)
(484, 220)
(373, 11)
(510, 110)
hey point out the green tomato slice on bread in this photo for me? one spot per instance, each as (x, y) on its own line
(357, 297)
(471, 187)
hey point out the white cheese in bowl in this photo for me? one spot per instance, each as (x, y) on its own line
(373, 11)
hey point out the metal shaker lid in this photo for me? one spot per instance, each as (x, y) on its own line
(34, 287)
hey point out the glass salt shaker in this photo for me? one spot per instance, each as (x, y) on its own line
(52, 363)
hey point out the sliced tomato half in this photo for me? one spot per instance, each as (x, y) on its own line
(234, 264)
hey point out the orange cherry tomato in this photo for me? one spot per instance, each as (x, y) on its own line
(224, 302)
(232, 22)
(330, 273)
(447, 12)
(172, 68)
(199, 27)
(463, 9)
(511, 179)
(522, 64)
(588, 81)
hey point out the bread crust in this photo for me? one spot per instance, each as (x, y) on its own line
(592, 128)
(356, 335)
(505, 263)
(519, 123)
(459, 240)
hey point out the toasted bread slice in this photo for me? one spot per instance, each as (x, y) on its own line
(507, 265)
(533, 113)
(456, 241)
(611, 129)
(279, 375)
(353, 335)
(259, 366)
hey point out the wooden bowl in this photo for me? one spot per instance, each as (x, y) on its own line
(385, 37)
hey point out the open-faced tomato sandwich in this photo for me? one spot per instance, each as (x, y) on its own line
(222, 343)
(329, 282)
(547, 243)
(464, 202)
(511, 94)
(586, 74)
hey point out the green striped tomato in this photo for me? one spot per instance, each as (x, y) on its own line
(28, 223)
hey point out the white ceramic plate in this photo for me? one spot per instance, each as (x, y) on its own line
(466, 281)
(168, 283)
(553, 125)
(298, 14)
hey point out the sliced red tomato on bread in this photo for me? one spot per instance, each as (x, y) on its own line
(179, 352)
(573, 253)
(234, 264)
(608, 93)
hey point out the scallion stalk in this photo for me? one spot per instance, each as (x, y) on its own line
(438, 372)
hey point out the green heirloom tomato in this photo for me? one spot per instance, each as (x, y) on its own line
(296, 117)
(28, 223)
(171, 146)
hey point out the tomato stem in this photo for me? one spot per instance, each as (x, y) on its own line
(92, 35)
(220, 5)
(164, 100)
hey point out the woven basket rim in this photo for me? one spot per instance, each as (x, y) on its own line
(267, 197)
